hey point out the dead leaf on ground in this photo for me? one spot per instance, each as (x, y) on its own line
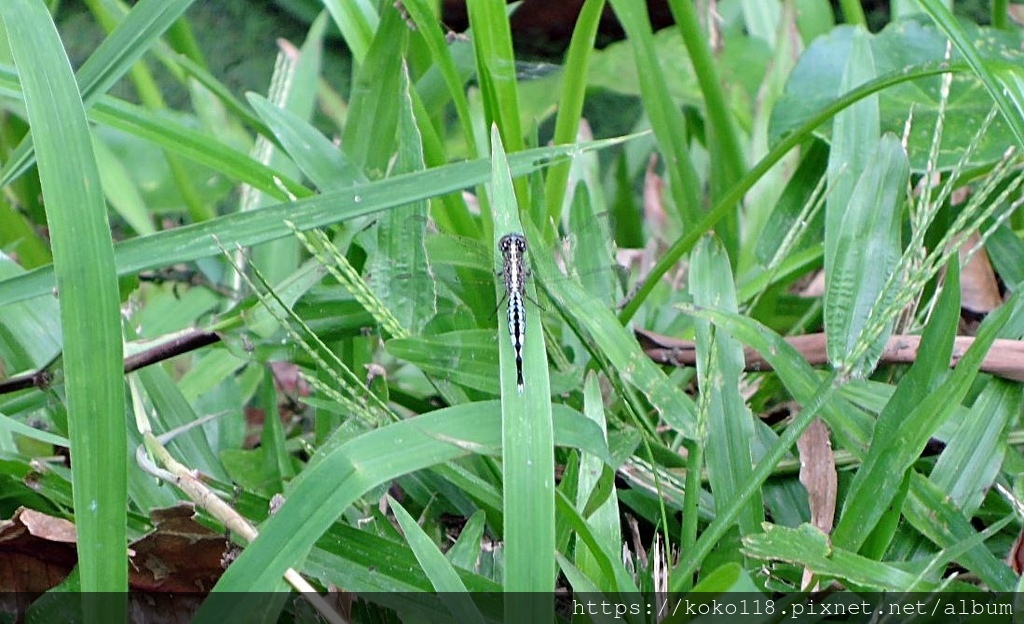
(37, 551)
(180, 555)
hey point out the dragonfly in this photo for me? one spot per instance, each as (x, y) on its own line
(461, 273)
(513, 269)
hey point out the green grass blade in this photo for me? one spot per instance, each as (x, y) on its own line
(618, 346)
(730, 425)
(1002, 81)
(528, 461)
(440, 572)
(399, 251)
(924, 377)
(817, 396)
(441, 55)
(570, 106)
(861, 256)
(604, 522)
(855, 134)
(89, 298)
(327, 167)
(974, 453)
(808, 546)
(853, 13)
(666, 118)
(109, 62)
(929, 510)
(249, 228)
(891, 455)
(727, 160)
(357, 20)
(369, 135)
(195, 146)
(496, 69)
(326, 488)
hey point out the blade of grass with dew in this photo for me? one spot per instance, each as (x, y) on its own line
(570, 105)
(1000, 80)
(528, 461)
(666, 118)
(325, 489)
(89, 299)
(197, 240)
(925, 502)
(861, 255)
(109, 62)
(730, 424)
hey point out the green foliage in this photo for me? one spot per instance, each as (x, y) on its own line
(350, 292)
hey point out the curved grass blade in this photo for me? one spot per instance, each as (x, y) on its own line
(196, 241)
(1001, 83)
(324, 490)
(726, 203)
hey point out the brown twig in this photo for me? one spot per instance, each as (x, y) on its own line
(187, 341)
(1004, 359)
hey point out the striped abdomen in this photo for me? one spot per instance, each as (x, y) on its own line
(513, 252)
